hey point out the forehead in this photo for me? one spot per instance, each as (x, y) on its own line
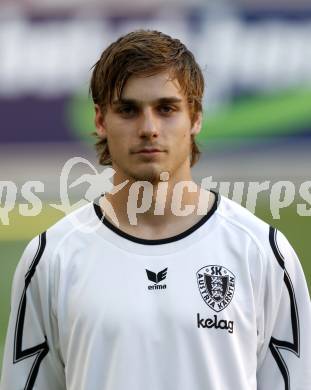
(151, 88)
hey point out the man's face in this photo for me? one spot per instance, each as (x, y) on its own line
(149, 129)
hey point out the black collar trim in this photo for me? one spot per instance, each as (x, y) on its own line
(160, 241)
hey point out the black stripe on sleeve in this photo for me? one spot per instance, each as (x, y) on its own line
(276, 345)
(41, 350)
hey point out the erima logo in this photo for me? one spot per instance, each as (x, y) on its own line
(214, 323)
(157, 278)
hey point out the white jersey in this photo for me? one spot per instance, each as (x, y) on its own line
(222, 306)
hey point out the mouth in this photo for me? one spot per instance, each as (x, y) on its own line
(149, 151)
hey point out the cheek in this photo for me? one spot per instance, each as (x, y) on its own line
(118, 145)
(117, 136)
(180, 145)
(179, 127)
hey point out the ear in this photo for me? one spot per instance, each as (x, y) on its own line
(197, 124)
(99, 121)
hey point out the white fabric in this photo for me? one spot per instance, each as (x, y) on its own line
(108, 327)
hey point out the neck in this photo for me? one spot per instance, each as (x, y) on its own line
(160, 203)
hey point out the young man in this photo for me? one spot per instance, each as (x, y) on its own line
(178, 300)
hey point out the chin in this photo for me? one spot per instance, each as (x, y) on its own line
(150, 174)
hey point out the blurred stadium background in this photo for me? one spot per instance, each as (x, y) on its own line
(256, 57)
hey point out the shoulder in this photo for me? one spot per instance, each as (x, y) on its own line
(69, 232)
(73, 226)
(240, 220)
(273, 246)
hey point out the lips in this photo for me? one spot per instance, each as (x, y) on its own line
(148, 150)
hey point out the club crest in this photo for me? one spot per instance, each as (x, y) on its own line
(216, 285)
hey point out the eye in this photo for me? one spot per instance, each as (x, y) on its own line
(127, 110)
(166, 109)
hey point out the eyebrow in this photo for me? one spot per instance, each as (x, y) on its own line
(164, 100)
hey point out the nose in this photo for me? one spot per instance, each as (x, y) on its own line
(148, 127)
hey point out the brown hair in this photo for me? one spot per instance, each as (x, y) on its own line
(145, 53)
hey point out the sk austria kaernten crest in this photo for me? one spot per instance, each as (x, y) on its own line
(216, 284)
